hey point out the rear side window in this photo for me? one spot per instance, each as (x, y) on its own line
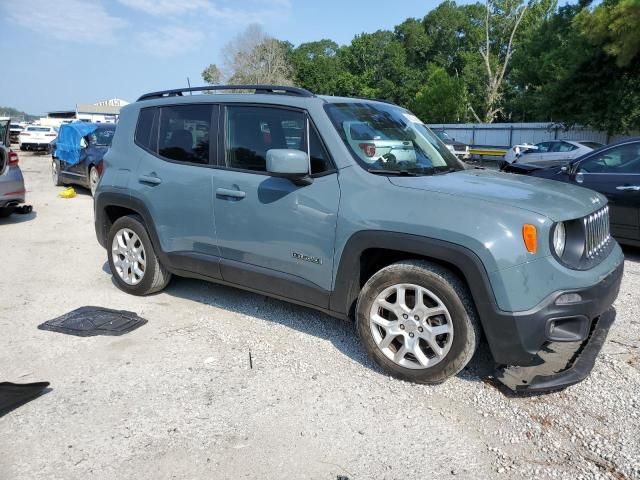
(184, 133)
(144, 130)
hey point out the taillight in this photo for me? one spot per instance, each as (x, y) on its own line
(369, 149)
(13, 158)
(100, 168)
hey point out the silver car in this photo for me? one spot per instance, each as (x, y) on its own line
(556, 151)
(12, 190)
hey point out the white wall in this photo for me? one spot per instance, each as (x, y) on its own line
(509, 134)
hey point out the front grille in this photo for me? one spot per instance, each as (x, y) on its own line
(596, 229)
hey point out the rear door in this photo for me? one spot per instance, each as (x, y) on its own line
(275, 236)
(175, 178)
(615, 173)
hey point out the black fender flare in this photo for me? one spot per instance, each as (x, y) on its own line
(124, 200)
(347, 282)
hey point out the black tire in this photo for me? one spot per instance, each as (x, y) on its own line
(455, 295)
(156, 276)
(5, 212)
(55, 173)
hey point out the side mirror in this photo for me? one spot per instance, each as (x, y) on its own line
(289, 163)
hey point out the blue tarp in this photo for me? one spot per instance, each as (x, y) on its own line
(68, 141)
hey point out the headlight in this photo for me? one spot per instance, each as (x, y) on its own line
(450, 147)
(559, 238)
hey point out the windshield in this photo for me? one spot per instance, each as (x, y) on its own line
(101, 137)
(593, 145)
(386, 138)
(38, 129)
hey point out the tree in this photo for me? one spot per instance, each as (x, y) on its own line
(253, 57)
(442, 99)
(211, 74)
(614, 26)
(318, 67)
(503, 25)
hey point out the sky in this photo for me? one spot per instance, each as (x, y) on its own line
(64, 52)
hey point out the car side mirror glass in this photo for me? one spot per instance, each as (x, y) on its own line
(289, 163)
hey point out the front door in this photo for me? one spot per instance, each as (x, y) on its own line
(275, 236)
(174, 179)
(615, 173)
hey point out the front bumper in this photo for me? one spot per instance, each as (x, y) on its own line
(35, 146)
(564, 364)
(555, 345)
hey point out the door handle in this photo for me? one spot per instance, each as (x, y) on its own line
(635, 188)
(225, 192)
(150, 179)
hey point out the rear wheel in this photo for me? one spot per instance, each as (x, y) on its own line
(55, 173)
(93, 179)
(417, 321)
(5, 212)
(132, 260)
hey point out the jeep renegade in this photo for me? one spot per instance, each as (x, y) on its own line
(270, 191)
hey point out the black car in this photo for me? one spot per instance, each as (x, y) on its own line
(614, 171)
(90, 151)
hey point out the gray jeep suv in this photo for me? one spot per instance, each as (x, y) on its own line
(266, 191)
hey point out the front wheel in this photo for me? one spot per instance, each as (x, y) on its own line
(132, 260)
(417, 321)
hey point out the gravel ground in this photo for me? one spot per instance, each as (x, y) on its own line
(177, 398)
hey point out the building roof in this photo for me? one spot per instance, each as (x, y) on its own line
(99, 109)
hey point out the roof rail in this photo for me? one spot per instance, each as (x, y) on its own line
(272, 89)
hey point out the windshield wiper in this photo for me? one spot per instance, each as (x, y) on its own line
(402, 173)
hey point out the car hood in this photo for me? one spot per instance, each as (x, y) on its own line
(555, 200)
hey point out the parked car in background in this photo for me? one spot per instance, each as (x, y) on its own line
(37, 138)
(80, 162)
(613, 171)
(12, 191)
(427, 255)
(551, 151)
(459, 149)
(14, 132)
(387, 146)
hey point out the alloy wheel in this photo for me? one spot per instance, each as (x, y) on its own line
(411, 326)
(128, 255)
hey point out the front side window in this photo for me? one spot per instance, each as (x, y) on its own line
(544, 147)
(389, 138)
(252, 131)
(184, 133)
(621, 159)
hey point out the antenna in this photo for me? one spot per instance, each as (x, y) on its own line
(189, 83)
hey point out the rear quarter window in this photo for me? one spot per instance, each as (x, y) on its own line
(145, 129)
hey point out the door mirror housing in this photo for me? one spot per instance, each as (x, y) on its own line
(289, 163)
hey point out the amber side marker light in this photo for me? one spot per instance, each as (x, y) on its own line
(530, 237)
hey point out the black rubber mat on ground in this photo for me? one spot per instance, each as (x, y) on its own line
(90, 321)
(13, 395)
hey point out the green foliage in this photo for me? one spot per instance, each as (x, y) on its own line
(211, 74)
(443, 99)
(615, 26)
